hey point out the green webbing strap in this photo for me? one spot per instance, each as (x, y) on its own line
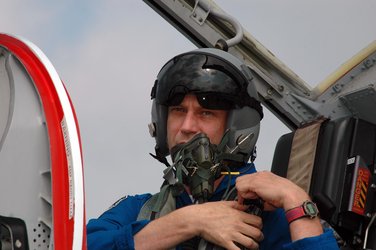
(158, 205)
(162, 197)
(168, 205)
(179, 174)
(147, 208)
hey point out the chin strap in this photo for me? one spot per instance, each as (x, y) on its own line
(160, 158)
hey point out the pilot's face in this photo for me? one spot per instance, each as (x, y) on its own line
(188, 119)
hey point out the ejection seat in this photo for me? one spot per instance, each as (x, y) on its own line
(334, 161)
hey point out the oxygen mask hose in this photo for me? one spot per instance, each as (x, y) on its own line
(195, 167)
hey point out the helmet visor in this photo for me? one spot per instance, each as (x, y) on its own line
(216, 84)
(205, 99)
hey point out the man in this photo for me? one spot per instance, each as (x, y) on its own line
(206, 115)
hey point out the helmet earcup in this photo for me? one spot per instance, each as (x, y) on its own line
(242, 123)
(159, 120)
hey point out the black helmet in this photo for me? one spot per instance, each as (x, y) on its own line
(220, 81)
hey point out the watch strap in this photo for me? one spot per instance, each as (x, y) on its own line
(295, 213)
(300, 212)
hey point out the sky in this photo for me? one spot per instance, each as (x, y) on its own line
(108, 54)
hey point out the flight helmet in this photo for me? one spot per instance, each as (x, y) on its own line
(220, 81)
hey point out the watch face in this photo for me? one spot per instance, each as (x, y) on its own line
(310, 208)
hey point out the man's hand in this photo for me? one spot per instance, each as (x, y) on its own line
(273, 189)
(225, 223)
(278, 192)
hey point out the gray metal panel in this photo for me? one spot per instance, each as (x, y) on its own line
(362, 104)
(280, 89)
(353, 93)
(25, 179)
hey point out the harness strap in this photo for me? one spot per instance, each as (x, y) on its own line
(158, 205)
(161, 199)
(146, 212)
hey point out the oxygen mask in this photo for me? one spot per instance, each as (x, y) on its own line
(195, 166)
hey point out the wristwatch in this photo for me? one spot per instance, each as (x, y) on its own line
(307, 209)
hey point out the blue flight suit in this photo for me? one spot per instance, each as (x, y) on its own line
(115, 228)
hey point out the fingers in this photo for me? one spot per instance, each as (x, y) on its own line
(248, 232)
(251, 231)
(226, 223)
(253, 220)
(273, 189)
(247, 218)
(240, 200)
(252, 245)
(250, 240)
(247, 242)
